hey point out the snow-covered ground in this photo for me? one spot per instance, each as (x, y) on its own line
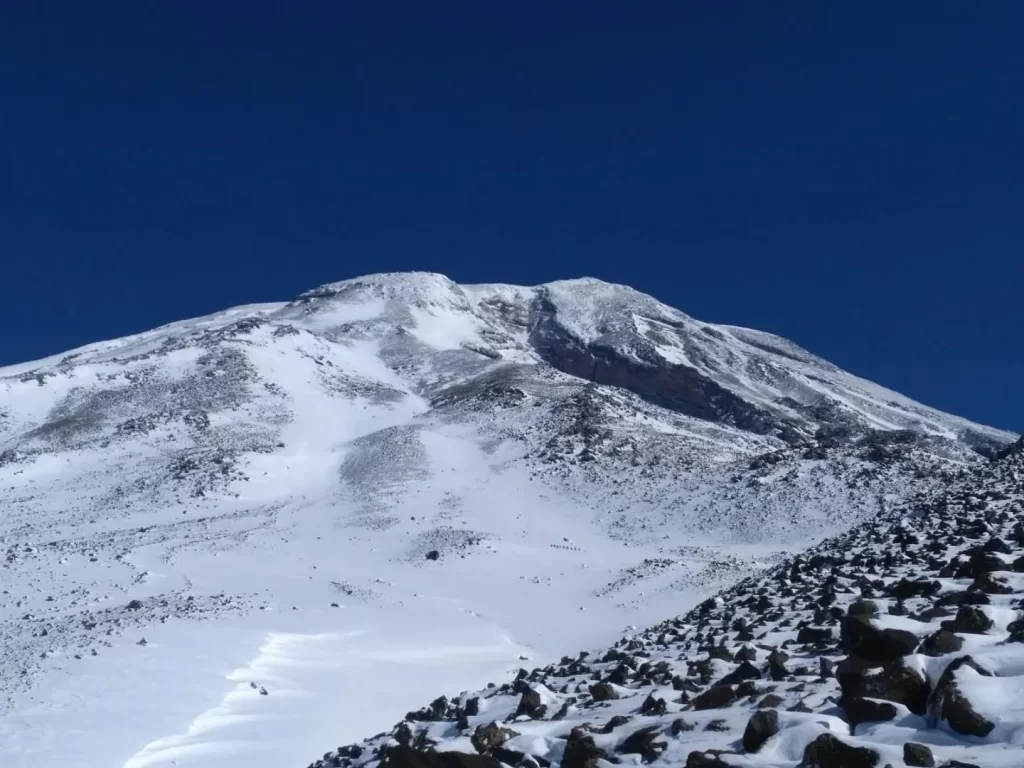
(393, 487)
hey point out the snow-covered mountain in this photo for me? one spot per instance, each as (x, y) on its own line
(899, 642)
(392, 473)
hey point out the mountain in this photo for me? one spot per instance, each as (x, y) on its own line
(899, 642)
(402, 473)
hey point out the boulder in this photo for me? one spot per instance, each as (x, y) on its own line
(715, 697)
(487, 737)
(827, 751)
(407, 757)
(892, 682)
(762, 725)
(862, 638)
(603, 692)
(642, 742)
(918, 755)
(949, 703)
(580, 750)
(861, 710)
(970, 620)
(940, 643)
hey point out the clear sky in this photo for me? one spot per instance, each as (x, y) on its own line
(848, 175)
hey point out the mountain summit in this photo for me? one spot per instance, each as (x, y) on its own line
(398, 470)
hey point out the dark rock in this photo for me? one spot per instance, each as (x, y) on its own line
(770, 701)
(762, 726)
(614, 723)
(918, 755)
(531, 706)
(745, 671)
(826, 668)
(940, 643)
(949, 703)
(860, 710)
(827, 751)
(777, 665)
(642, 742)
(746, 653)
(970, 620)
(865, 608)
(991, 585)
(715, 697)
(717, 726)
(406, 757)
(603, 692)
(892, 682)
(868, 642)
(814, 636)
(487, 737)
(705, 760)
(904, 589)
(433, 555)
(680, 726)
(653, 706)
(580, 750)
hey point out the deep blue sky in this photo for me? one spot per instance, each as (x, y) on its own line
(849, 175)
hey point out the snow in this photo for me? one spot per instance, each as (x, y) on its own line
(241, 472)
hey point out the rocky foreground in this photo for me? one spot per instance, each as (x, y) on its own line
(898, 643)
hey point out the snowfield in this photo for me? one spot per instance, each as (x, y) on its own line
(245, 539)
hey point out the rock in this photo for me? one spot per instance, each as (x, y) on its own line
(918, 755)
(532, 705)
(991, 585)
(716, 697)
(487, 737)
(472, 707)
(826, 668)
(580, 750)
(777, 665)
(940, 643)
(614, 723)
(603, 692)
(746, 653)
(814, 636)
(904, 589)
(680, 726)
(134, 605)
(433, 555)
(867, 609)
(970, 620)
(653, 706)
(642, 742)
(745, 671)
(705, 760)
(771, 701)
(949, 703)
(762, 726)
(892, 682)
(827, 751)
(406, 757)
(860, 710)
(859, 636)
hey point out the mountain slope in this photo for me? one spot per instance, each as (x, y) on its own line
(572, 449)
(900, 642)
